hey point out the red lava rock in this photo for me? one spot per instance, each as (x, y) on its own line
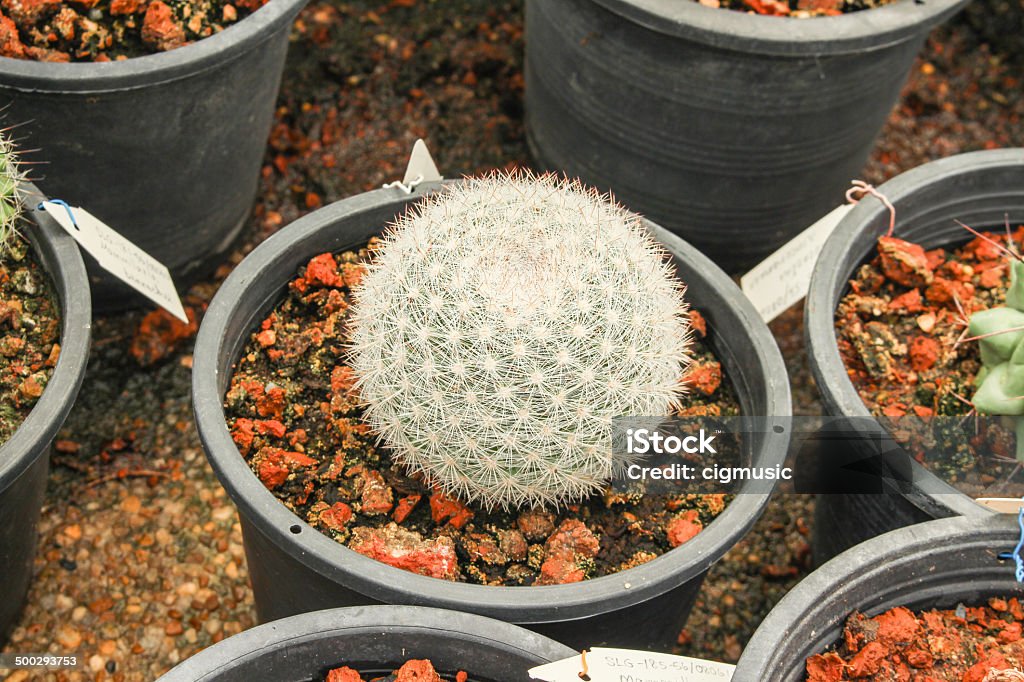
(417, 671)
(377, 496)
(699, 324)
(322, 271)
(29, 12)
(444, 508)
(980, 670)
(897, 626)
(271, 402)
(159, 334)
(825, 668)
(684, 527)
(513, 544)
(395, 546)
(266, 338)
(909, 302)
(904, 262)
(924, 352)
(570, 543)
(271, 427)
(898, 645)
(126, 6)
(1010, 633)
(30, 388)
(560, 569)
(159, 28)
(272, 475)
(896, 410)
(706, 377)
(343, 675)
(536, 524)
(405, 507)
(868, 660)
(343, 380)
(243, 435)
(948, 291)
(769, 7)
(483, 547)
(336, 516)
(992, 278)
(919, 658)
(826, 7)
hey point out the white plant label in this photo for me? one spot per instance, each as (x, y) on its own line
(1002, 505)
(783, 278)
(626, 665)
(421, 166)
(119, 257)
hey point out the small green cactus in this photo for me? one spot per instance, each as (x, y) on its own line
(10, 195)
(502, 325)
(1000, 332)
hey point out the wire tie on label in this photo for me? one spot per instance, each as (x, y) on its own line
(404, 187)
(61, 202)
(861, 188)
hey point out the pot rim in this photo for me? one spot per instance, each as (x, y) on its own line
(877, 575)
(532, 604)
(58, 254)
(862, 31)
(838, 392)
(153, 69)
(466, 628)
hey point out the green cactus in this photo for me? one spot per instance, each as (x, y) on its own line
(10, 195)
(503, 324)
(1000, 332)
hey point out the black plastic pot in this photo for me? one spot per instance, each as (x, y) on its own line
(372, 640)
(165, 148)
(733, 130)
(25, 458)
(296, 568)
(939, 564)
(980, 189)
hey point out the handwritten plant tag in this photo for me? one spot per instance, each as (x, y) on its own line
(118, 256)
(784, 277)
(626, 665)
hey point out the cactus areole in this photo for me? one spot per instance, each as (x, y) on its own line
(502, 325)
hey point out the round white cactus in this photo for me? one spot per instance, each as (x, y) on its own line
(502, 325)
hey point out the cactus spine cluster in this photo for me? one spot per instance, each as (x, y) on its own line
(502, 325)
(10, 197)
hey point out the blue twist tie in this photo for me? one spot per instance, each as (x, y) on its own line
(1017, 559)
(61, 202)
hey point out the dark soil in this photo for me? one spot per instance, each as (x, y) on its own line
(105, 30)
(798, 9)
(296, 418)
(411, 671)
(29, 334)
(897, 331)
(961, 645)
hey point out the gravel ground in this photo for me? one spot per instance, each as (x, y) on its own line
(140, 563)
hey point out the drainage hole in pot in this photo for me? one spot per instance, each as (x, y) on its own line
(296, 529)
